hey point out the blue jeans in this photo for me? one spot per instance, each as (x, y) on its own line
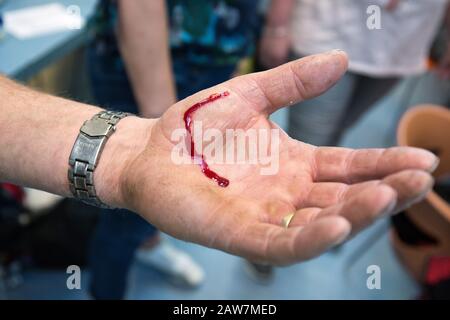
(120, 232)
(191, 79)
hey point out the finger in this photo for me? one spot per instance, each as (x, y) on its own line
(292, 82)
(411, 186)
(362, 209)
(350, 166)
(268, 243)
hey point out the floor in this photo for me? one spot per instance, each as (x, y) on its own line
(339, 274)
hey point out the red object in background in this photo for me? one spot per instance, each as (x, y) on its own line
(438, 270)
(15, 192)
(431, 65)
(223, 182)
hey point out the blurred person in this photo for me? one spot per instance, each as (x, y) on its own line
(131, 70)
(208, 39)
(379, 57)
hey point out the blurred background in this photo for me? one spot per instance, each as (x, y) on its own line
(397, 92)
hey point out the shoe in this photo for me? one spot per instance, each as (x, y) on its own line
(172, 262)
(260, 272)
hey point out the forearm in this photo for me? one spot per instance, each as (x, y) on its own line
(37, 132)
(143, 41)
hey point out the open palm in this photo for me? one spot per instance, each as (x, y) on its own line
(332, 192)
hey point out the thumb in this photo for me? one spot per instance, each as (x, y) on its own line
(292, 82)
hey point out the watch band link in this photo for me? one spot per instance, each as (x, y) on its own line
(86, 152)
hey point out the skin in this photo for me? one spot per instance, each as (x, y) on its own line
(274, 49)
(334, 192)
(143, 42)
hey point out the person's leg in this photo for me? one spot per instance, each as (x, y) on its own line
(319, 121)
(118, 234)
(367, 93)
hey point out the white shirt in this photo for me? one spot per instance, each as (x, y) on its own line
(399, 48)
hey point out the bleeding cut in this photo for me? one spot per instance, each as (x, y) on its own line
(221, 181)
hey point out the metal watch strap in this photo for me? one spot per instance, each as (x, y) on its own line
(86, 152)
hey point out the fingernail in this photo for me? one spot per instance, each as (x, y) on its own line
(339, 51)
(423, 194)
(390, 208)
(345, 235)
(435, 164)
(432, 161)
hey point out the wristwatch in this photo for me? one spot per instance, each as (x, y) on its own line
(86, 152)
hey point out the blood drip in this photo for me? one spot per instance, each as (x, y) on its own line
(221, 181)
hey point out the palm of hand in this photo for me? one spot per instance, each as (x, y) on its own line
(328, 189)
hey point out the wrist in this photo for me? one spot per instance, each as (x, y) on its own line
(129, 140)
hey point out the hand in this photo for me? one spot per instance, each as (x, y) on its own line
(274, 50)
(334, 192)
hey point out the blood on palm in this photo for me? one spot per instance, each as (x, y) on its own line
(221, 181)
